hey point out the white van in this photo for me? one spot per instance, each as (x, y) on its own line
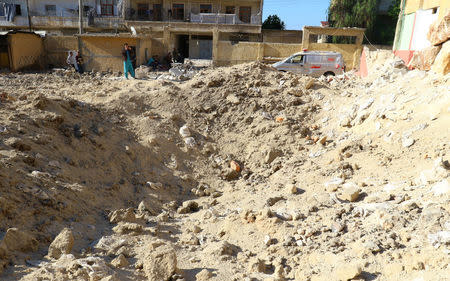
(314, 63)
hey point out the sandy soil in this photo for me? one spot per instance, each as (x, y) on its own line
(241, 173)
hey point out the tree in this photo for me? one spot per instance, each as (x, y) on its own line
(274, 22)
(380, 29)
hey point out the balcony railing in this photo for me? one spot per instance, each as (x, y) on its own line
(223, 19)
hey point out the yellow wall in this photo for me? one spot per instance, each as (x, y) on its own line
(26, 51)
(229, 54)
(280, 50)
(238, 53)
(351, 53)
(57, 48)
(105, 53)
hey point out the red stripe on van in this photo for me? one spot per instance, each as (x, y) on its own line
(315, 66)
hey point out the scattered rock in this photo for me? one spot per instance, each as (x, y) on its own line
(272, 154)
(120, 261)
(188, 207)
(350, 193)
(62, 244)
(128, 228)
(203, 275)
(160, 263)
(16, 240)
(347, 271)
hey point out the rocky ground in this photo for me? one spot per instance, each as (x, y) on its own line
(240, 173)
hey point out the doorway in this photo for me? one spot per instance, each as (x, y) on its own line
(182, 45)
(201, 47)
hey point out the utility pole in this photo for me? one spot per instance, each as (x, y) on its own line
(80, 16)
(29, 17)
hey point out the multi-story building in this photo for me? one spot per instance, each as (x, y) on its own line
(190, 26)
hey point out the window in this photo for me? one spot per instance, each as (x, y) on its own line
(178, 11)
(143, 11)
(157, 12)
(245, 14)
(50, 10)
(18, 10)
(205, 8)
(107, 7)
(297, 59)
(230, 10)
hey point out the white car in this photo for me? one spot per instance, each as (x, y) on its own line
(314, 63)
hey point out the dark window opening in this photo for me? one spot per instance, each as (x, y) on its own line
(143, 11)
(245, 14)
(18, 10)
(50, 10)
(230, 10)
(157, 14)
(178, 11)
(107, 7)
(434, 11)
(205, 8)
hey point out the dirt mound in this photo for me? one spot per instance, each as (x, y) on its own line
(240, 173)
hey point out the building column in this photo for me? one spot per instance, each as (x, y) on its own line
(215, 47)
(305, 40)
(166, 39)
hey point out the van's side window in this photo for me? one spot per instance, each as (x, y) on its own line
(297, 59)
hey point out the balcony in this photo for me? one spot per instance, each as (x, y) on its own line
(72, 22)
(223, 19)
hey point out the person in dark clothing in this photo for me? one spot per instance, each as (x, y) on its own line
(127, 56)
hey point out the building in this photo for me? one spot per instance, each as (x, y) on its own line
(414, 22)
(15, 53)
(189, 26)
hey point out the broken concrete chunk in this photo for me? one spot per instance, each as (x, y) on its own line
(188, 207)
(272, 154)
(160, 263)
(62, 244)
(120, 261)
(350, 193)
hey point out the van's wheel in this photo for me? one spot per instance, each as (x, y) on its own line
(329, 73)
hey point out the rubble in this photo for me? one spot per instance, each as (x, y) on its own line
(270, 186)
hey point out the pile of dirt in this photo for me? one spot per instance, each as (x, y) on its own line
(240, 173)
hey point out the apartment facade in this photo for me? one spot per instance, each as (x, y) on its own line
(190, 26)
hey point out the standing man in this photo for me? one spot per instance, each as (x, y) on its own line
(127, 61)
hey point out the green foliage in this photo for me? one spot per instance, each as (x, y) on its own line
(274, 22)
(380, 29)
(394, 9)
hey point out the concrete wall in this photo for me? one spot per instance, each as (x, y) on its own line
(413, 6)
(282, 36)
(104, 53)
(351, 53)
(26, 51)
(280, 50)
(57, 48)
(229, 54)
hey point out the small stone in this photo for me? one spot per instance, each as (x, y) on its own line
(323, 140)
(62, 244)
(233, 99)
(347, 271)
(269, 241)
(128, 228)
(188, 207)
(203, 275)
(350, 194)
(120, 261)
(272, 154)
(407, 142)
(291, 189)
